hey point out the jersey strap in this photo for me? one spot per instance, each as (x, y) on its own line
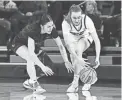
(85, 22)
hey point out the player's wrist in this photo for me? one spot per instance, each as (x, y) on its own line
(43, 66)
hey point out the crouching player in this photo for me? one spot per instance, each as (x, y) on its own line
(79, 32)
(25, 44)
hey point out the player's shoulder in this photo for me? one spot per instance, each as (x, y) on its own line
(65, 24)
(29, 28)
(32, 26)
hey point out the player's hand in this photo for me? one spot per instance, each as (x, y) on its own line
(47, 71)
(83, 62)
(69, 67)
(97, 63)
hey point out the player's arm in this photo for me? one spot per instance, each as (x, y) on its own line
(31, 49)
(62, 51)
(31, 44)
(91, 27)
(61, 48)
(65, 31)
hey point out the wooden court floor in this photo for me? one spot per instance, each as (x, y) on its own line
(11, 89)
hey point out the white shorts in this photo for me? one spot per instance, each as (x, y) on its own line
(75, 43)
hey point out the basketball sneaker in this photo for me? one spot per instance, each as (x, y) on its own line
(86, 87)
(88, 95)
(73, 87)
(34, 86)
(73, 96)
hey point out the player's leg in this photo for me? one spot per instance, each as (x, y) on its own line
(82, 45)
(32, 82)
(23, 52)
(73, 87)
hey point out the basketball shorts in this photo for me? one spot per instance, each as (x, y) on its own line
(15, 44)
(74, 44)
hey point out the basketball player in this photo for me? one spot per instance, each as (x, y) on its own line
(79, 32)
(25, 44)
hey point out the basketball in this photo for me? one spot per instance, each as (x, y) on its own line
(88, 75)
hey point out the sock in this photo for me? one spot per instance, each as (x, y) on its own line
(76, 78)
(32, 81)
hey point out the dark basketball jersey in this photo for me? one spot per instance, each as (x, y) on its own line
(33, 31)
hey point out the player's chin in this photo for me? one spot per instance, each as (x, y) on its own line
(49, 32)
(76, 24)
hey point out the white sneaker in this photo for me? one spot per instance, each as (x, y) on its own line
(88, 95)
(34, 86)
(86, 87)
(73, 88)
(73, 96)
(28, 85)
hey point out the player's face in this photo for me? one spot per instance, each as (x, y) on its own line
(48, 27)
(76, 18)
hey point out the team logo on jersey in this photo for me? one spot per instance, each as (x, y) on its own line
(77, 33)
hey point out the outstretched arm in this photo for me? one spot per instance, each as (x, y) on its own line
(91, 27)
(62, 49)
(64, 54)
(31, 49)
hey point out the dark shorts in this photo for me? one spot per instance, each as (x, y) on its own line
(15, 46)
(43, 57)
(16, 43)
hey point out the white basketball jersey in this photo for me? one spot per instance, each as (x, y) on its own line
(81, 33)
